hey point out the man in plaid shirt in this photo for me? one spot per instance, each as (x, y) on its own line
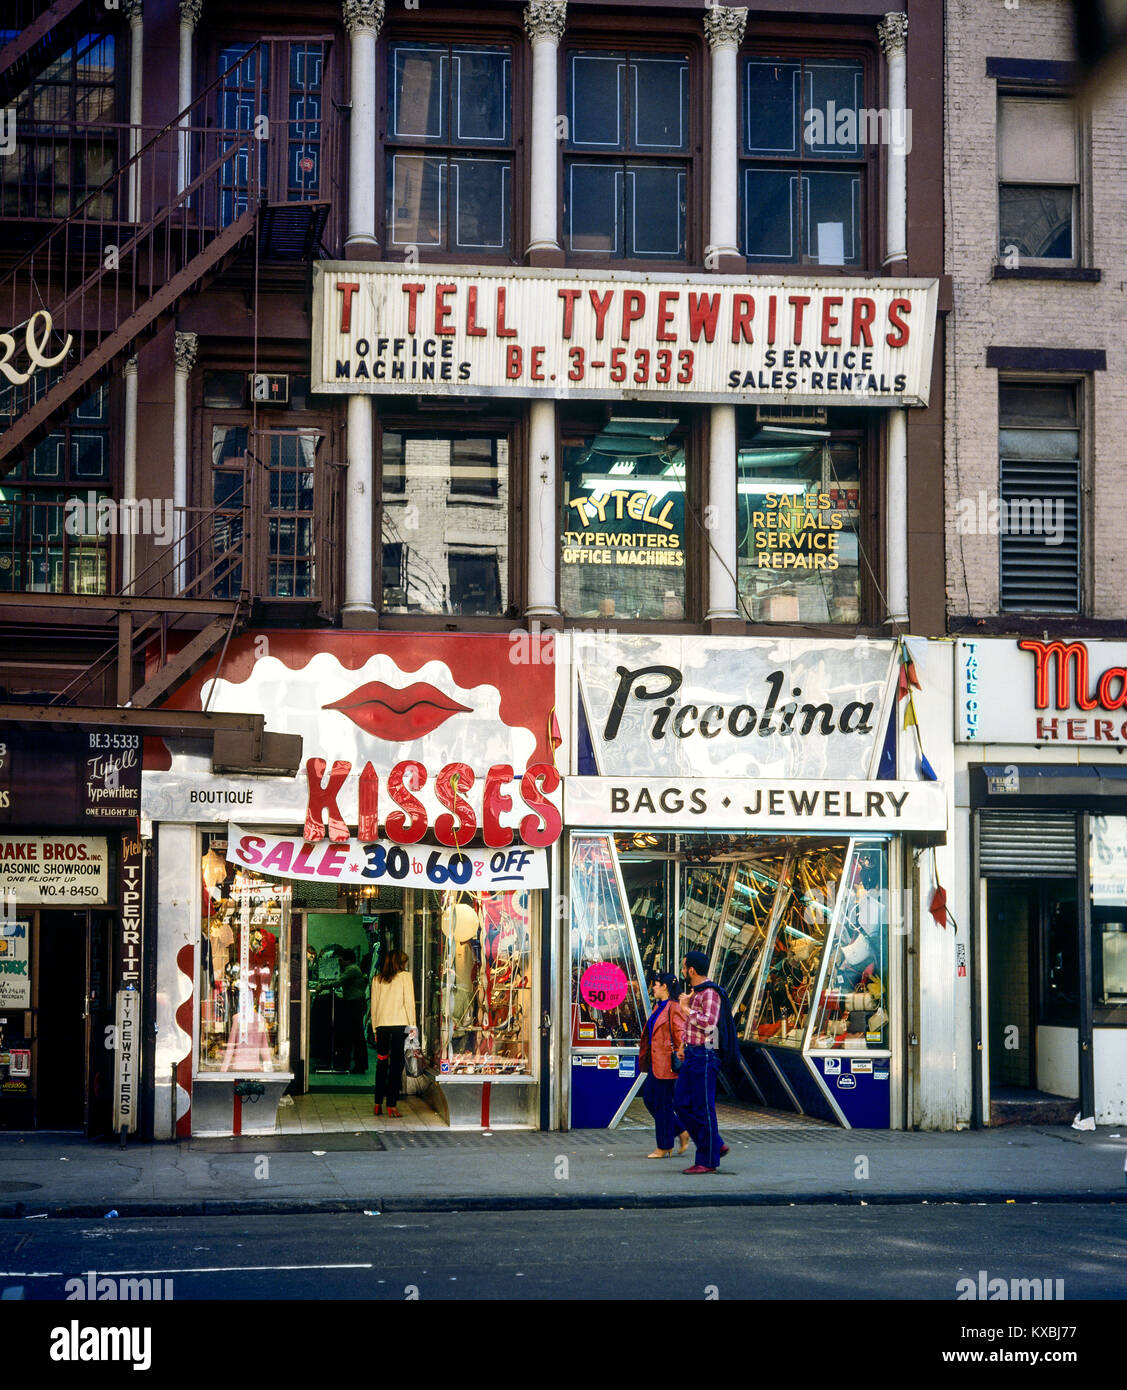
(694, 1100)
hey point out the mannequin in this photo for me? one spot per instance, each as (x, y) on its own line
(460, 927)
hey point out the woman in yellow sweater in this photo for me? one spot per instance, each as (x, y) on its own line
(393, 1012)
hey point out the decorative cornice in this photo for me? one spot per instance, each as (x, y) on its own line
(360, 15)
(893, 33)
(131, 9)
(724, 25)
(187, 345)
(191, 11)
(546, 19)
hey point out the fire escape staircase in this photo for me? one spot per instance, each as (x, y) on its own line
(173, 215)
(41, 40)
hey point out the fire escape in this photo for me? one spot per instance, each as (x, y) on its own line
(182, 204)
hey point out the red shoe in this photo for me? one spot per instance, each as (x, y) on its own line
(391, 1110)
(698, 1168)
(377, 1109)
(724, 1150)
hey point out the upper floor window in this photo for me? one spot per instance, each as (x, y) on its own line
(1038, 181)
(1039, 530)
(60, 156)
(805, 137)
(450, 148)
(54, 534)
(627, 167)
(798, 521)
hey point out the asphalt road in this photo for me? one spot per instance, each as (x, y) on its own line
(841, 1253)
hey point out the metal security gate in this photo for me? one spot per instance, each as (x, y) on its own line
(1027, 844)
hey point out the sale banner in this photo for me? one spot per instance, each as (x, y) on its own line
(383, 861)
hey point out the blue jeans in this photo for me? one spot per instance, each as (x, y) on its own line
(694, 1102)
(657, 1097)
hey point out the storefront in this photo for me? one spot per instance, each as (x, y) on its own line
(1043, 831)
(71, 929)
(420, 822)
(756, 800)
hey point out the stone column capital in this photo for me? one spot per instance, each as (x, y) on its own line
(546, 19)
(893, 34)
(362, 15)
(129, 367)
(187, 346)
(724, 26)
(191, 12)
(131, 9)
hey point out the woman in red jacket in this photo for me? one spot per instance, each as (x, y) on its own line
(662, 1038)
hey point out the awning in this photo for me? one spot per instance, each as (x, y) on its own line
(1065, 784)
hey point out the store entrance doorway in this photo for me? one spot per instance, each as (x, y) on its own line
(59, 956)
(1033, 987)
(343, 952)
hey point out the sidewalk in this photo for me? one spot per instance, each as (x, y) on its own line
(66, 1175)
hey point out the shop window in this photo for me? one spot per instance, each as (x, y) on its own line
(627, 167)
(1109, 919)
(445, 523)
(1038, 181)
(54, 537)
(608, 1000)
(450, 148)
(1039, 521)
(477, 1007)
(798, 514)
(623, 524)
(244, 955)
(61, 155)
(806, 138)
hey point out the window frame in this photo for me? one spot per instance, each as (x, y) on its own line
(1081, 257)
(869, 435)
(573, 420)
(1081, 385)
(674, 39)
(448, 420)
(872, 163)
(491, 34)
(110, 488)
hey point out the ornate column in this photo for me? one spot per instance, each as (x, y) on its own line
(545, 21)
(190, 12)
(185, 349)
(724, 27)
(129, 475)
(893, 34)
(362, 19)
(132, 10)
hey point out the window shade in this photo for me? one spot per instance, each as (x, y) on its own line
(1036, 141)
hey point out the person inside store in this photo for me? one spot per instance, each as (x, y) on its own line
(694, 1096)
(393, 1012)
(352, 1046)
(662, 1041)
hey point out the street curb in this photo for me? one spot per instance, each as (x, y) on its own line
(562, 1202)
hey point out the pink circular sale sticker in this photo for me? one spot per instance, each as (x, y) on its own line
(603, 986)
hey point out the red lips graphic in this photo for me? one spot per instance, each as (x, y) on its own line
(398, 715)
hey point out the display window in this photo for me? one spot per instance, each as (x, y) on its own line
(798, 510)
(622, 543)
(1108, 835)
(796, 931)
(244, 952)
(475, 975)
(609, 1001)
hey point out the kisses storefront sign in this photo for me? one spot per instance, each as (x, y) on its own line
(411, 743)
(621, 335)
